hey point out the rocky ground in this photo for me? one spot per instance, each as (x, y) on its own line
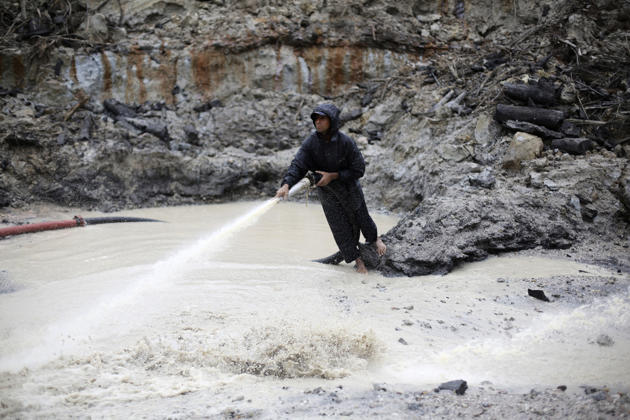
(387, 401)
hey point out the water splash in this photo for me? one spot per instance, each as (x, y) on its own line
(66, 334)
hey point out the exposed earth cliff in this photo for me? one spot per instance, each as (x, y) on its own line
(117, 104)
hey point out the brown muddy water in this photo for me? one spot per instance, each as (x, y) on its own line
(222, 303)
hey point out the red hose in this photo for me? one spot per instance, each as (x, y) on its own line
(38, 227)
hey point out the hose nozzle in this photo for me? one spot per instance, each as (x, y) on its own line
(313, 178)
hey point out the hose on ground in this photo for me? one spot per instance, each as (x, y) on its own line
(119, 219)
(63, 224)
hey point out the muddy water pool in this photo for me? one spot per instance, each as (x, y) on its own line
(221, 305)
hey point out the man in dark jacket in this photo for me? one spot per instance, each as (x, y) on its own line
(336, 158)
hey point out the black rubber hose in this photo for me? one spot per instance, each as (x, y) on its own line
(116, 219)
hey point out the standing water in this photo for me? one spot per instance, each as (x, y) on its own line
(213, 310)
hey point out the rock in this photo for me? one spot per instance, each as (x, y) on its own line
(599, 396)
(588, 213)
(523, 146)
(465, 226)
(459, 386)
(485, 179)
(25, 112)
(604, 340)
(87, 126)
(538, 294)
(576, 146)
(362, 141)
(96, 28)
(402, 341)
(429, 18)
(588, 389)
(453, 152)
(486, 130)
(574, 202)
(535, 180)
(414, 406)
(551, 186)
(192, 135)
(206, 106)
(380, 116)
(367, 98)
(349, 116)
(596, 393)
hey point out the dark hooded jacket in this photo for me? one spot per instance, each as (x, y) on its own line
(342, 199)
(340, 154)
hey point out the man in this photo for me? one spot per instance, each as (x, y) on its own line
(337, 159)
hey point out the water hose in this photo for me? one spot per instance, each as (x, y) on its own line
(77, 221)
(80, 221)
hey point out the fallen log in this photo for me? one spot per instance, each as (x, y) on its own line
(119, 109)
(158, 129)
(525, 92)
(456, 106)
(586, 122)
(82, 100)
(533, 129)
(442, 101)
(570, 129)
(546, 117)
(576, 146)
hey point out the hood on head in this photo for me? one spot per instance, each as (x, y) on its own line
(331, 112)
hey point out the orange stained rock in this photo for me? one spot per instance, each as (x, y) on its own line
(135, 60)
(73, 70)
(335, 71)
(167, 75)
(208, 68)
(19, 71)
(107, 76)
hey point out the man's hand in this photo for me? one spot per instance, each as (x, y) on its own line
(283, 192)
(327, 178)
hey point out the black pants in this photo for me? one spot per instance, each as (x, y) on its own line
(347, 216)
